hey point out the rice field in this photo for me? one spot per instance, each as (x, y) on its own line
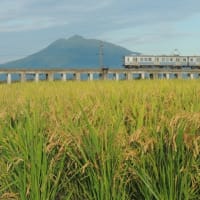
(128, 140)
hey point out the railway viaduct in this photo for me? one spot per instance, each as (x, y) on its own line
(9, 75)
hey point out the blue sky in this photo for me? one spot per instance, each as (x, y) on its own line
(150, 27)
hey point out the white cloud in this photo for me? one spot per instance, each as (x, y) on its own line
(37, 14)
(29, 24)
(21, 15)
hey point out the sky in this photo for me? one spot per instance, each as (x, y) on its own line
(149, 27)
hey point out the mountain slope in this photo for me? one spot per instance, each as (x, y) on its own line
(76, 52)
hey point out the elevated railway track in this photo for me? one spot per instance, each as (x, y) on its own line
(13, 75)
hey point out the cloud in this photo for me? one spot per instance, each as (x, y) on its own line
(29, 24)
(21, 15)
(33, 14)
(153, 38)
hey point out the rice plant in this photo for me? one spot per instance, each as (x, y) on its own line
(100, 140)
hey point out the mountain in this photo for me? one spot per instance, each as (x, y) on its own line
(75, 52)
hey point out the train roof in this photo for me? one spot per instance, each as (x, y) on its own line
(144, 55)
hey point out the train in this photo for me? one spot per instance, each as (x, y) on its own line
(161, 61)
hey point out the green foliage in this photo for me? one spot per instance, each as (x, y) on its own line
(100, 140)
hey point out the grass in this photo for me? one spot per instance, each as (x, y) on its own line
(100, 140)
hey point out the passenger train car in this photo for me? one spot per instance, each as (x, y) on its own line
(172, 62)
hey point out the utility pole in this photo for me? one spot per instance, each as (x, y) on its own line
(101, 55)
(101, 64)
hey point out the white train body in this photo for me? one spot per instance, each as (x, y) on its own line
(174, 61)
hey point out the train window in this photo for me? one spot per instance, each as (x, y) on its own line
(177, 59)
(145, 59)
(171, 59)
(191, 59)
(157, 59)
(150, 59)
(128, 59)
(184, 59)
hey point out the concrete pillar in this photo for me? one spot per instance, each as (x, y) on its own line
(116, 75)
(167, 76)
(9, 78)
(191, 76)
(155, 76)
(178, 75)
(64, 76)
(103, 76)
(164, 76)
(129, 76)
(23, 77)
(142, 75)
(77, 76)
(90, 76)
(100, 76)
(36, 77)
(50, 76)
